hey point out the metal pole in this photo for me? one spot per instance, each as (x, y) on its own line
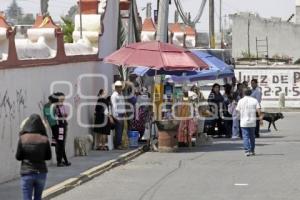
(163, 15)
(249, 53)
(220, 16)
(157, 5)
(80, 15)
(212, 24)
(149, 10)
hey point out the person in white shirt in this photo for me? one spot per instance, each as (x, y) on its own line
(247, 108)
(257, 94)
(118, 112)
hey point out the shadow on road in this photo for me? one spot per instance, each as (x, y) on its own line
(272, 136)
(262, 154)
(224, 146)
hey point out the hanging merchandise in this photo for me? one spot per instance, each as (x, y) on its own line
(168, 98)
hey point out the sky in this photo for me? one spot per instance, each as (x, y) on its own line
(265, 8)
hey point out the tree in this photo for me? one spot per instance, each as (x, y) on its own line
(14, 13)
(72, 12)
(28, 19)
(68, 28)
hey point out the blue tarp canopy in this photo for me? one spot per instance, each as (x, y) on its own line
(217, 69)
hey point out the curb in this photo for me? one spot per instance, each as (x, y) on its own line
(287, 109)
(89, 174)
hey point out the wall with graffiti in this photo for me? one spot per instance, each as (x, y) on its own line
(25, 91)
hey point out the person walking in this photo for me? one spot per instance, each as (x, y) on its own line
(257, 94)
(102, 122)
(33, 150)
(215, 100)
(247, 108)
(118, 112)
(61, 130)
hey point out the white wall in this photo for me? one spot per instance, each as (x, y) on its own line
(25, 91)
(274, 81)
(283, 37)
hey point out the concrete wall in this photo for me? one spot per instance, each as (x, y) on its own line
(298, 14)
(274, 81)
(283, 37)
(25, 91)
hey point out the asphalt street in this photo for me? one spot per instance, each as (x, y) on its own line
(216, 172)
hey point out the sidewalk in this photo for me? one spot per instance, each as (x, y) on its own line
(11, 190)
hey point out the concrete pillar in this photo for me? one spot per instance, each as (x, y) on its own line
(149, 10)
(163, 16)
(108, 41)
(297, 11)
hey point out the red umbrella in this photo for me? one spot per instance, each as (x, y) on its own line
(156, 55)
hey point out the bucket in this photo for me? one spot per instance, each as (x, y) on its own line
(133, 137)
(167, 132)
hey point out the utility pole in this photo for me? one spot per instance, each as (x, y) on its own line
(80, 16)
(149, 10)
(212, 24)
(162, 25)
(248, 34)
(220, 25)
(221, 28)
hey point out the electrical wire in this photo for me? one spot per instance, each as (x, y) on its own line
(179, 8)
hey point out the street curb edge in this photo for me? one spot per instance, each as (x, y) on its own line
(90, 174)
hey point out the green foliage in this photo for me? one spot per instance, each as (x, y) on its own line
(297, 62)
(68, 29)
(245, 54)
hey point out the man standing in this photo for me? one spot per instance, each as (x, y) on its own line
(247, 108)
(256, 93)
(118, 112)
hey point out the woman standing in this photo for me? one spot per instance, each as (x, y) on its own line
(187, 126)
(61, 130)
(33, 150)
(102, 119)
(215, 100)
(227, 117)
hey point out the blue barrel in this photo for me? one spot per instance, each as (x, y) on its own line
(133, 137)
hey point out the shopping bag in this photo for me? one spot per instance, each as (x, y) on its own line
(146, 135)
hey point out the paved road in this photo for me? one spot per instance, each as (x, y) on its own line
(11, 190)
(217, 172)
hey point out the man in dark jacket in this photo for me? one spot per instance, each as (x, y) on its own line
(33, 150)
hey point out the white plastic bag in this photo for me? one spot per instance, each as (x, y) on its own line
(146, 135)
